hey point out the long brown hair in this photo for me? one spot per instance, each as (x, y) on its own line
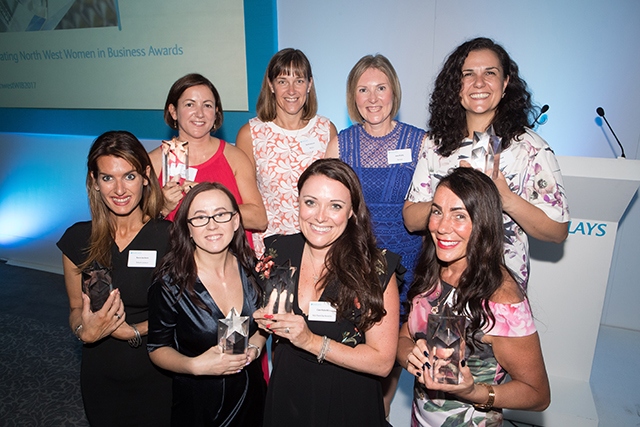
(353, 261)
(178, 266)
(126, 146)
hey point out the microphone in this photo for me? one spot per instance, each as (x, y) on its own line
(600, 112)
(543, 110)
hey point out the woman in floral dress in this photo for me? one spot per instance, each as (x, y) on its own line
(462, 269)
(285, 138)
(479, 92)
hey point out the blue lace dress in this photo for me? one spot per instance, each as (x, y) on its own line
(385, 185)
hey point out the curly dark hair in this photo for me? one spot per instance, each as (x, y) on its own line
(178, 266)
(354, 260)
(485, 251)
(448, 124)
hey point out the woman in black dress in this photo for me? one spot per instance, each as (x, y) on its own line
(120, 385)
(341, 337)
(205, 275)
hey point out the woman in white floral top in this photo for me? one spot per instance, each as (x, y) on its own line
(479, 92)
(461, 269)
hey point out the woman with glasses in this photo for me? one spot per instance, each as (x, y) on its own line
(205, 275)
(123, 241)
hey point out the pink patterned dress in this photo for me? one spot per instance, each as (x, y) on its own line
(435, 408)
(281, 155)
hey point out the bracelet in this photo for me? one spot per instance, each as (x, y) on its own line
(325, 349)
(258, 350)
(489, 403)
(137, 339)
(76, 332)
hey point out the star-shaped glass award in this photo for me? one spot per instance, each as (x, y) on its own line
(233, 333)
(485, 151)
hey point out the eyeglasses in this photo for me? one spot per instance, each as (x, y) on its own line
(202, 220)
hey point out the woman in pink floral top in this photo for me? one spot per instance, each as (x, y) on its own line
(478, 92)
(285, 138)
(462, 269)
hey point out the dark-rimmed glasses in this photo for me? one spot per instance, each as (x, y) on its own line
(202, 220)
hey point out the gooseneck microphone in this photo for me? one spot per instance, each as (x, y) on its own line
(600, 112)
(543, 110)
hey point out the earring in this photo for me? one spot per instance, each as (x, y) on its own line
(503, 94)
(175, 124)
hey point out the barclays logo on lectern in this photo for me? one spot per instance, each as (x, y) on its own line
(586, 228)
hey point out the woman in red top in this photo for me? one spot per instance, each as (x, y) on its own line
(193, 107)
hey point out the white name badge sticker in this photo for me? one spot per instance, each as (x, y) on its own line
(310, 145)
(191, 174)
(145, 259)
(395, 157)
(322, 311)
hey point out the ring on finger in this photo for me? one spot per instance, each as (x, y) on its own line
(286, 330)
(118, 316)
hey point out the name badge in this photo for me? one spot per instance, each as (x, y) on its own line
(145, 259)
(191, 174)
(395, 157)
(310, 145)
(322, 311)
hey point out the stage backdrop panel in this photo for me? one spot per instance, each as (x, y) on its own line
(119, 54)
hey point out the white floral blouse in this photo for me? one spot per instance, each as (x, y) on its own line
(531, 170)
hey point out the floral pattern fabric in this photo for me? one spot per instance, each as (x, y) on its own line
(281, 155)
(435, 408)
(532, 172)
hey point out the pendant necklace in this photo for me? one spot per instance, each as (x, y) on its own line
(436, 309)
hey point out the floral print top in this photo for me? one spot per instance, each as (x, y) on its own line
(435, 408)
(531, 170)
(281, 155)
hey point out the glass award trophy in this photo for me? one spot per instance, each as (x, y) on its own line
(279, 289)
(175, 161)
(96, 283)
(233, 333)
(485, 152)
(445, 335)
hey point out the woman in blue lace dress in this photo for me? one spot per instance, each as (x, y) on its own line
(383, 152)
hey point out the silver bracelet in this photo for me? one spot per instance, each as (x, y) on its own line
(325, 349)
(137, 339)
(258, 350)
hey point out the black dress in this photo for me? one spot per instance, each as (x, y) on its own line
(120, 385)
(303, 392)
(207, 400)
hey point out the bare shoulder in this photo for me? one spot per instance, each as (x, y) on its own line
(509, 292)
(235, 156)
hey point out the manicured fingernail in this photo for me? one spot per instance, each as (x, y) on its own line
(425, 353)
(463, 363)
(268, 325)
(268, 316)
(418, 374)
(426, 365)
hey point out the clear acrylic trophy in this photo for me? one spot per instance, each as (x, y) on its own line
(233, 333)
(445, 335)
(279, 289)
(175, 160)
